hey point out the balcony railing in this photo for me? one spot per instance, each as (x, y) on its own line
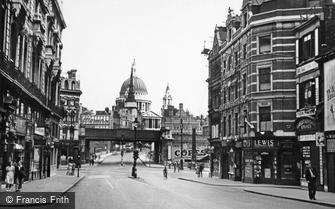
(9, 68)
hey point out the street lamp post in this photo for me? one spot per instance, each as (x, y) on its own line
(122, 152)
(134, 170)
(181, 144)
(210, 151)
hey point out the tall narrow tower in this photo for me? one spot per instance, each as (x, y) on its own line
(130, 103)
(167, 98)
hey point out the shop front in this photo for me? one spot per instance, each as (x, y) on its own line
(307, 132)
(260, 160)
(235, 161)
(39, 143)
(330, 140)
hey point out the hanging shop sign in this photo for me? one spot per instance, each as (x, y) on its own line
(307, 67)
(307, 111)
(305, 124)
(39, 130)
(21, 126)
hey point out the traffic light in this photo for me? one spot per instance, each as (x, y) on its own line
(135, 154)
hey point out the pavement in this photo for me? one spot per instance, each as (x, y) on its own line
(296, 193)
(57, 183)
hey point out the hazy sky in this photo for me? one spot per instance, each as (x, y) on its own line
(164, 36)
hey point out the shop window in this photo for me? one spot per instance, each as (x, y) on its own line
(306, 47)
(264, 79)
(307, 94)
(265, 118)
(264, 44)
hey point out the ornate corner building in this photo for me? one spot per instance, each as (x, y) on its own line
(30, 67)
(69, 128)
(256, 68)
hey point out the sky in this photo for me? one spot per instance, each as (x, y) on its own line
(165, 37)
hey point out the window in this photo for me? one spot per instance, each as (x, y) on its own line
(13, 41)
(245, 113)
(229, 125)
(236, 58)
(229, 63)
(224, 96)
(229, 94)
(2, 24)
(264, 44)
(244, 83)
(306, 47)
(245, 19)
(265, 118)
(236, 89)
(307, 94)
(224, 126)
(66, 84)
(245, 51)
(236, 123)
(264, 79)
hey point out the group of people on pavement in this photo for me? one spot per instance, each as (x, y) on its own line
(15, 174)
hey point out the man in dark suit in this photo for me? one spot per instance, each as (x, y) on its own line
(311, 175)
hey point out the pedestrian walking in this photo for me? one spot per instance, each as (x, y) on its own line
(174, 166)
(178, 166)
(201, 168)
(10, 169)
(22, 175)
(311, 175)
(165, 172)
(16, 176)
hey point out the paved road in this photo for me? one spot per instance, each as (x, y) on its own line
(109, 186)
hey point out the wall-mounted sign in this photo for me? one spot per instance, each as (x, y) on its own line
(308, 111)
(329, 95)
(39, 131)
(264, 143)
(330, 145)
(20, 125)
(307, 67)
(320, 139)
(246, 143)
(306, 124)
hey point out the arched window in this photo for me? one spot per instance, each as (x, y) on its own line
(73, 85)
(66, 85)
(13, 42)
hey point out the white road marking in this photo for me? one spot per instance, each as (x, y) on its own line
(106, 177)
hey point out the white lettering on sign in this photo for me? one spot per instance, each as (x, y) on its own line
(307, 67)
(264, 143)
